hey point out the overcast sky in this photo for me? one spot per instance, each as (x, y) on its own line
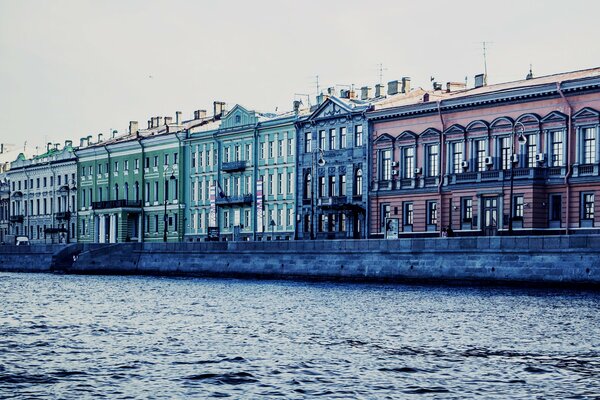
(73, 68)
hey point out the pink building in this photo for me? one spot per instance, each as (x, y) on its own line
(520, 156)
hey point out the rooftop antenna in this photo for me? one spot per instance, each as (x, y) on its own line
(381, 69)
(25, 147)
(303, 95)
(485, 60)
(317, 83)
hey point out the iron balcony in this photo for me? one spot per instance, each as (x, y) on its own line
(234, 200)
(103, 205)
(233, 166)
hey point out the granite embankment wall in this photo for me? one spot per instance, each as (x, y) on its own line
(550, 260)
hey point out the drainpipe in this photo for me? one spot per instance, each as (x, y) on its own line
(442, 164)
(255, 183)
(568, 158)
(367, 125)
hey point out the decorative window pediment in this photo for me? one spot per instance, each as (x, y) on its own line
(587, 113)
(430, 133)
(384, 138)
(477, 125)
(502, 123)
(554, 116)
(529, 118)
(455, 129)
(330, 108)
(407, 135)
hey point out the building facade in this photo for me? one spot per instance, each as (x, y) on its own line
(514, 158)
(241, 176)
(43, 201)
(130, 185)
(331, 170)
(4, 206)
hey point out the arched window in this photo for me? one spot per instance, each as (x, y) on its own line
(126, 191)
(116, 191)
(358, 181)
(136, 191)
(307, 186)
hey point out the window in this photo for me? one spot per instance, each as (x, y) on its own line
(280, 148)
(432, 214)
(193, 159)
(271, 147)
(126, 191)
(457, 157)
(166, 159)
(432, 160)
(201, 158)
(247, 218)
(280, 183)
(37, 182)
(505, 152)
(126, 165)
(321, 186)
(332, 188)
(116, 164)
(342, 185)
(332, 143)
(136, 163)
(407, 213)
(175, 161)
(45, 182)
(386, 165)
(249, 188)
(136, 191)
(358, 182)
(557, 148)
(555, 207)
(480, 154)
(262, 151)
(290, 147)
(589, 145)
(518, 207)
(270, 184)
(343, 137)
(155, 161)
(358, 135)
(290, 183)
(147, 194)
(226, 154)
(156, 191)
(467, 210)
(147, 163)
(307, 142)
(408, 162)
(238, 153)
(531, 151)
(322, 140)
(587, 206)
(225, 219)
(156, 223)
(307, 186)
(238, 119)
(248, 152)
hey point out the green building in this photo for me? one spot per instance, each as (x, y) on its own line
(129, 185)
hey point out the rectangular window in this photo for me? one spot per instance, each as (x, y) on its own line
(226, 154)
(248, 152)
(342, 185)
(555, 207)
(290, 183)
(175, 162)
(193, 161)
(155, 161)
(116, 166)
(557, 148)
(467, 210)
(531, 151)
(480, 154)
(271, 146)
(358, 135)
(432, 214)
(505, 152)
(270, 184)
(408, 162)
(136, 163)
(332, 141)
(201, 158)
(432, 160)
(238, 153)
(262, 151)
(156, 223)
(342, 137)
(247, 218)
(45, 182)
(386, 165)
(587, 206)
(147, 163)
(156, 191)
(589, 145)
(290, 147)
(386, 210)
(518, 207)
(457, 157)
(322, 140)
(407, 213)
(307, 142)
(279, 183)
(332, 188)
(321, 186)
(249, 185)
(166, 159)
(280, 148)
(126, 165)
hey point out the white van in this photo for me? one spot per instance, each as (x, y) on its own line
(22, 241)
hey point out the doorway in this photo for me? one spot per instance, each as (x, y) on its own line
(490, 216)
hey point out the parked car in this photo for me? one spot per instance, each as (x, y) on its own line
(22, 241)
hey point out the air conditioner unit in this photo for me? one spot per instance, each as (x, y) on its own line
(394, 172)
(540, 157)
(394, 163)
(489, 161)
(514, 158)
(417, 171)
(464, 164)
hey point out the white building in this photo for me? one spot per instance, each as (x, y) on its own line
(43, 201)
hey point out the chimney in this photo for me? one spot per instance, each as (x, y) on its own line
(68, 143)
(366, 93)
(297, 106)
(480, 80)
(133, 127)
(331, 91)
(405, 84)
(89, 140)
(81, 142)
(392, 88)
(454, 86)
(56, 146)
(178, 117)
(149, 123)
(218, 108)
(199, 114)
(320, 98)
(437, 86)
(114, 133)
(168, 120)
(99, 137)
(48, 146)
(379, 90)
(344, 94)
(159, 121)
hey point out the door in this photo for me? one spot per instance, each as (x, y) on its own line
(490, 216)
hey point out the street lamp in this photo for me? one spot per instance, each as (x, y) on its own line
(522, 140)
(171, 178)
(68, 214)
(321, 162)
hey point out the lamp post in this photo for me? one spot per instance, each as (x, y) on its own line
(171, 178)
(522, 140)
(68, 213)
(314, 178)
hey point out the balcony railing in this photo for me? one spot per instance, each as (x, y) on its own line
(499, 175)
(233, 166)
(16, 218)
(103, 205)
(234, 200)
(63, 215)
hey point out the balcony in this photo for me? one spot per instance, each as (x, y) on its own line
(233, 166)
(499, 175)
(339, 202)
(104, 205)
(234, 200)
(63, 215)
(16, 218)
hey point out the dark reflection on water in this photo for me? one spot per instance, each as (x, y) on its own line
(140, 337)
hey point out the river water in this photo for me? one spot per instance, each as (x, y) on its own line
(77, 337)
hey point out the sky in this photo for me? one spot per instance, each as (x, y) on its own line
(69, 69)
